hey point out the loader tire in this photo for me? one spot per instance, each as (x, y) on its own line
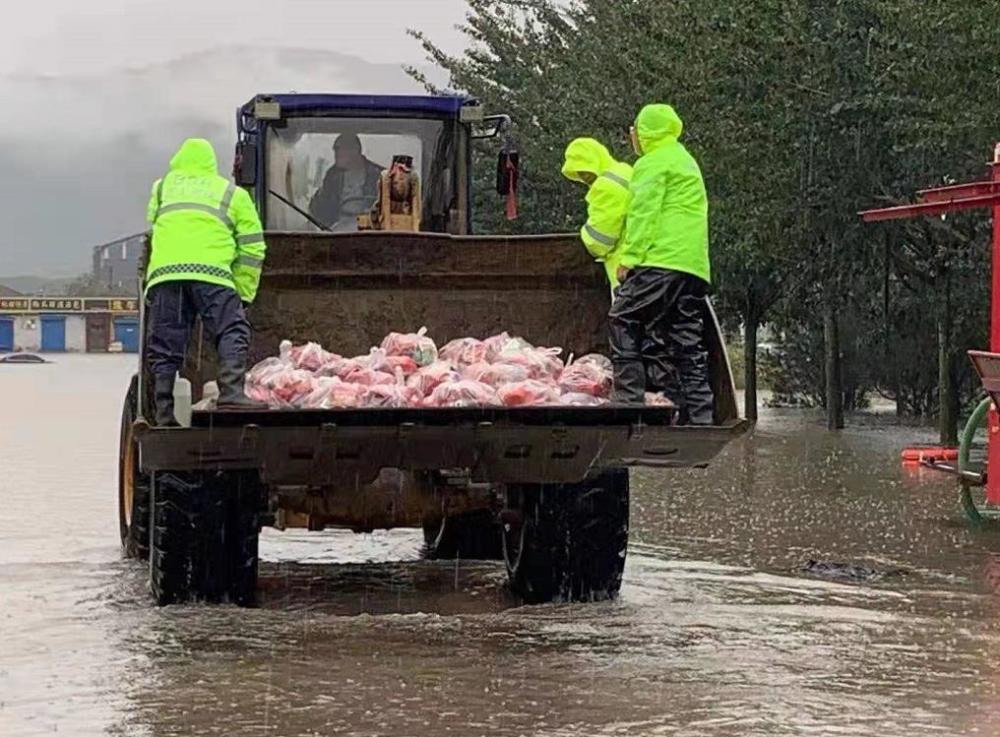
(470, 536)
(567, 542)
(133, 485)
(205, 534)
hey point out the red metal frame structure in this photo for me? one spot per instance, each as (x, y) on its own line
(938, 201)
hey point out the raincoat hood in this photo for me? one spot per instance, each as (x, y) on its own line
(657, 125)
(585, 155)
(195, 156)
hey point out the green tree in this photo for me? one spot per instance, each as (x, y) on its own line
(606, 60)
(801, 112)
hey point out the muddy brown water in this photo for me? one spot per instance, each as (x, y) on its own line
(716, 632)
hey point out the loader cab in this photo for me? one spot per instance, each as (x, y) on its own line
(313, 162)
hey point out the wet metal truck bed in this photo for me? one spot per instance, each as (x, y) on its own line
(501, 445)
(544, 489)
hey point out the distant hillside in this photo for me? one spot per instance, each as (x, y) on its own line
(81, 154)
(30, 286)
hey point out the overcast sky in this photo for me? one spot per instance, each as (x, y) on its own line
(92, 36)
(102, 91)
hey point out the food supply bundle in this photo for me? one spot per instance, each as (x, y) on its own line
(409, 370)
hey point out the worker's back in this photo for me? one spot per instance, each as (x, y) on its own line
(194, 211)
(670, 230)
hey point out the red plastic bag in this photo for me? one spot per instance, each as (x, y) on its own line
(495, 374)
(464, 351)
(462, 394)
(414, 345)
(586, 378)
(429, 378)
(573, 399)
(529, 393)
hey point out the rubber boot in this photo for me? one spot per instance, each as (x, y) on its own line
(662, 378)
(630, 383)
(163, 399)
(231, 394)
(698, 400)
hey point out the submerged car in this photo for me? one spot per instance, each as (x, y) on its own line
(22, 358)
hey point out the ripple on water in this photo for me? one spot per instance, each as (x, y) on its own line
(717, 631)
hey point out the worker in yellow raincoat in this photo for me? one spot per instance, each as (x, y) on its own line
(588, 161)
(665, 271)
(206, 259)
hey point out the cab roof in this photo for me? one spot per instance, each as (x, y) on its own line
(312, 104)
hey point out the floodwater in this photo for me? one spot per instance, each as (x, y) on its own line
(717, 630)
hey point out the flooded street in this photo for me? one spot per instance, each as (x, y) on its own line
(718, 631)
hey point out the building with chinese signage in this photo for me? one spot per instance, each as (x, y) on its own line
(73, 324)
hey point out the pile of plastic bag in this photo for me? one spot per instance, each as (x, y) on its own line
(409, 370)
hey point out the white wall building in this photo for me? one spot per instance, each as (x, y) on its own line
(28, 333)
(67, 324)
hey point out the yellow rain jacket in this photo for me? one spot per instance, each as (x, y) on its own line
(205, 228)
(607, 200)
(667, 225)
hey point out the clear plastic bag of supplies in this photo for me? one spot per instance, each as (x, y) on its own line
(586, 378)
(311, 357)
(542, 363)
(495, 344)
(332, 393)
(367, 377)
(391, 395)
(415, 345)
(573, 399)
(429, 378)
(495, 374)
(290, 387)
(531, 393)
(464, 351)
(463, 393)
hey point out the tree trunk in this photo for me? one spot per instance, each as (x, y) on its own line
(947, 391)
(750, 368)
(896, 387)
(834, 384)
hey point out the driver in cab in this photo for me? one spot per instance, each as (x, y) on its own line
(349, 187)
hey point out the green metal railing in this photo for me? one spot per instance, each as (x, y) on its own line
(968, 478)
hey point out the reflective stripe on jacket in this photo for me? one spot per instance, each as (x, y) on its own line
(204, 227)
(607, 199)
(607, 204)
(667, 222)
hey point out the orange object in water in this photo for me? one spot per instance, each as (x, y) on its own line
(929, 453)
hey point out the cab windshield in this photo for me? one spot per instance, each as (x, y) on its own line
(326, 170)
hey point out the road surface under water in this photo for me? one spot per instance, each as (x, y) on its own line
(717, 631)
